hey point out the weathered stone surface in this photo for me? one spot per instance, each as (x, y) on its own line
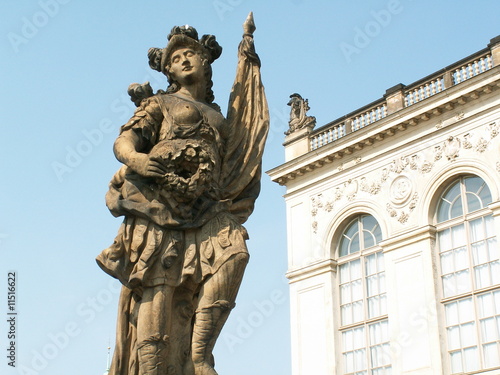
(189, 180)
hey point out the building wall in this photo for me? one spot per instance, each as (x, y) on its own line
(395, 171)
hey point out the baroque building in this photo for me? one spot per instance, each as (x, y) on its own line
(392, 214)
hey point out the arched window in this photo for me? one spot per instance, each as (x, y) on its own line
(470, 275)
(363, 314)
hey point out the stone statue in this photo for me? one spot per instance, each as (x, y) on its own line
(189, 181)
(298, 114)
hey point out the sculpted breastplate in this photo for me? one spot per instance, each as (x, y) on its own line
(189, 149)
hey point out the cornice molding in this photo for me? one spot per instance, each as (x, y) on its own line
(446, 101)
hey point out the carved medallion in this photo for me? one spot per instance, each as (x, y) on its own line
(401, 190)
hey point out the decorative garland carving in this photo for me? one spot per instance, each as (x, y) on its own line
(403, 215)
(401, 191)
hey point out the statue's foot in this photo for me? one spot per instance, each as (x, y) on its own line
(204, 369)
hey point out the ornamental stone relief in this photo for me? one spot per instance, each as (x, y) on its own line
(401, 191)
(403, 215)
(451, 148)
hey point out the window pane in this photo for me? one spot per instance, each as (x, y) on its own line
(458, 235)
(444, 240)
(456, 208)
(471, 357)
(374, 308)
(446, 202)
(380, 261)
(355, 268)
(475, 186)
(489, 330)
(372, 285)
(447, 262)
(383, 304)
(486, 305)
(354, 246)
(473, 203)
(371, 231)
(371, 264)
(348, 340)
(451, 310)
(456, 362)
(369, 239)
(345, 294)
(461, 258)
(352, 229)
(493, 253)
(496, 297)
(463, 282)
(357, 290)
(495, 272)
(348, 244)
(357, 312)
(346, 313)
(456, 283)
(466, 310)
(491, 355)
(369, 222)
(479, 253)
(360, 360)
(344, 246)
(490, 229)
(344, 273)
(381, 281)
(468, 334)
(483, 276)
(349, 362)
(359, 337)
(443, 211)
(485, 195)
(453, 338)
(476, 230)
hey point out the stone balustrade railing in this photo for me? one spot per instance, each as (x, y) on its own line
(404, 96)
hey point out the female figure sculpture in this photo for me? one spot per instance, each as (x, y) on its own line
(189, 181)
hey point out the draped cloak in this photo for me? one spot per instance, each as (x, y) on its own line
(162, 242)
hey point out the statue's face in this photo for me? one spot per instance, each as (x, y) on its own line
(186, 66)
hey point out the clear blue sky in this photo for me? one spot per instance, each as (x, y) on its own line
(65, 67)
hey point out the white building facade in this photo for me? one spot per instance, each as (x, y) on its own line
(393, 213)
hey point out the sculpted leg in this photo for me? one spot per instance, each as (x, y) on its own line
(217, 298)
(153, 328)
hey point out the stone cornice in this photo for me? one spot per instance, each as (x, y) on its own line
(446, 101)
(418, 234)
(311, 270)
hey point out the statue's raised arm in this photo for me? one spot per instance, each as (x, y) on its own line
(248, 119)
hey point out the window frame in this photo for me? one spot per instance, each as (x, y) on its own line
(466, 218)
(362, 255)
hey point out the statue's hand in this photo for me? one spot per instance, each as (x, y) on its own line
(146, 166)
